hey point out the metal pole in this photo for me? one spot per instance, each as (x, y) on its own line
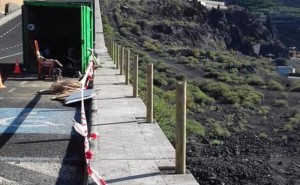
(136, 76)
(180, 140)
(122, 60)
(149, 93)
(127, 67)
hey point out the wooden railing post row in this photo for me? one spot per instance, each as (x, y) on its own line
(180, 128)
(149, 102)
(135, 76)
(127, 67)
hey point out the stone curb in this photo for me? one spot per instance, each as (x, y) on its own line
(10, 16)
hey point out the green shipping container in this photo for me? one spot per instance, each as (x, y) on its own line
(64, 31)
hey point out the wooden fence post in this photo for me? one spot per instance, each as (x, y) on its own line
(127, 67)
(113, 51)
(136, 76)
(149, 93)
(117, 56)
(122, 60)
(180, 141)
(108, 47)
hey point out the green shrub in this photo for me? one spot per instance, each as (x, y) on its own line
(216, 89)
(227, 77)
(149, 46)
(232, 98)
(210, 55)
(180, 77)
(216, 142)
(108, 30)
(248, 95)
(160, 66)
(220, 131)
(288, 127)
(295, 119)
(274, 85)
(194, 127)
(264, 110)
(225, 59)
(160, 80)
(284, 138)
(196, 53)
(294, 112)
(164, 114)
(199, 97)
(296, 87)
(262, 135)
(170, 97)
(284, 95)
(280, 103)
(255, 80)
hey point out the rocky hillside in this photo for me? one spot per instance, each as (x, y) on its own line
(284, 15)
(194, 26)
(242, 117)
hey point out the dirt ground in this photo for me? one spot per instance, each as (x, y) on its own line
(249, 157)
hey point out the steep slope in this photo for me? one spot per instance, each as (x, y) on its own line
(243, 121)
(194, 26)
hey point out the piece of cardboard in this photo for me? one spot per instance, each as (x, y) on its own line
(76, 96)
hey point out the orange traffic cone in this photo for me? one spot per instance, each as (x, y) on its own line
(17, 68)
(1, 85)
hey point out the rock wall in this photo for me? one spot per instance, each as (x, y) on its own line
(4, 2)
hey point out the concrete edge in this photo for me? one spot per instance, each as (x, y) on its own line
(10, 16)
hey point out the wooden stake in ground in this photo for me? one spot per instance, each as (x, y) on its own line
(136, 76)
(180, 140)
(127, 67)
(149, 93)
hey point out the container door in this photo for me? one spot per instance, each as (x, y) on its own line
(86, 35)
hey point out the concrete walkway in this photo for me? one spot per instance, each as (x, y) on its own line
(129, 150)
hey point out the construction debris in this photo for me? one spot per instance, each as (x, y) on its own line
(62, 89)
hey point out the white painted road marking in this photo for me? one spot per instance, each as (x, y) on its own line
(12, 90)
(11, 55)
(27, 123)
(22, 83)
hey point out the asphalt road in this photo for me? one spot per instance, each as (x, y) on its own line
(11, 48)
(38, 144)
(36, 135)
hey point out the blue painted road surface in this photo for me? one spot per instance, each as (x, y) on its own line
(42, 121)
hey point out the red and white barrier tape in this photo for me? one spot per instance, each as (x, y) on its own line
(82, 128)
